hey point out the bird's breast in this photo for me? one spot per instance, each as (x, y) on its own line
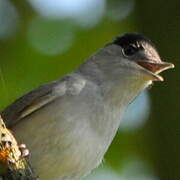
(68, 137)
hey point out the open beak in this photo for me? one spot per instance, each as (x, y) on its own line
(153, 68)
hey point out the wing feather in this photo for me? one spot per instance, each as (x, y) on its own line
(29, 103)
(42, 96)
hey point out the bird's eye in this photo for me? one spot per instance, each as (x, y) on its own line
(129, 50)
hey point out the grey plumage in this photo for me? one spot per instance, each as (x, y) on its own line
(69, 124)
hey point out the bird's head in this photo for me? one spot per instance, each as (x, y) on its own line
(134, 55)
(142, 52)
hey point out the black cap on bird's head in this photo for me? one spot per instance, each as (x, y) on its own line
(132, 43)
(138, 48)
(131, 38)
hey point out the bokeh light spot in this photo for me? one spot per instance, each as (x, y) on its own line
(119, 10)
(8, 19)
(135, 168)
(137, 113)
(132, 168)
(86, 13)
(103, 173)
(51, 37)
(92, 14)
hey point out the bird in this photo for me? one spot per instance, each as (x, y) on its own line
(69, 124)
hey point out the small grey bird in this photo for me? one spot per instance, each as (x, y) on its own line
(69, 124)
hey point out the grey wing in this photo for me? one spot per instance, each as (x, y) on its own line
(38, 98)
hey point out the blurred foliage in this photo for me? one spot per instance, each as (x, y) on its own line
(40, 49)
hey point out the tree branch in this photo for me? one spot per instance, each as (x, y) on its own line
(12, 165)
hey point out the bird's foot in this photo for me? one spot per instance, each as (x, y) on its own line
(24, 150)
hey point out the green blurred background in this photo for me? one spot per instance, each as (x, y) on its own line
(41, 40)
